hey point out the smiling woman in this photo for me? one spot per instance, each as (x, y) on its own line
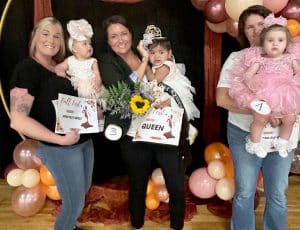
(187, 44)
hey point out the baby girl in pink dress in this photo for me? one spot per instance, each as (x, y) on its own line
(267, 81)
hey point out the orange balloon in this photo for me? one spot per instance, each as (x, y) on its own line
(150, 186)
(229, 171)
(152, 202)
(216, 151)
(51, 192)
(46, 176)
(294, 27)
(260, 182)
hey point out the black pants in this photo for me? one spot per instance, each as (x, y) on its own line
(138, 157)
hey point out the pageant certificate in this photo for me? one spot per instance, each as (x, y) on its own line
(75, 113)
(161, 126)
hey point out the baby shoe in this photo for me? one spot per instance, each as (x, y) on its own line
(193, 133)
(255, 148)
(260, 107)
(281, 146)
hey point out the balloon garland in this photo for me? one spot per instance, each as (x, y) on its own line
(222, 15)
(32, 180)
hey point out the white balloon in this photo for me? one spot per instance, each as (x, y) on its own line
(30, 178)
(14, 177)
(216, 169)
(234, 8)
(217, 27)
(225, 188)
(158, 177)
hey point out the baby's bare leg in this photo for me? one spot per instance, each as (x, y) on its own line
(287, 126)
(259, 122)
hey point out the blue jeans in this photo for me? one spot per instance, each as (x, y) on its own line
(246, 168)
(72, 168)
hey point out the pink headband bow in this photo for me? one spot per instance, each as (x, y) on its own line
(271, 20)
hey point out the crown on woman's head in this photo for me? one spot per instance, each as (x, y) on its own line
(272, 20)
(151, 32)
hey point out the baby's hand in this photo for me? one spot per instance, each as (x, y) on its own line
(96, 84)
(162, 104)
(59, 72)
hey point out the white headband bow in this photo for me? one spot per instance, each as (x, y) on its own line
(80, 30)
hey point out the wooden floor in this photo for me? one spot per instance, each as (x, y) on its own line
(204, 220)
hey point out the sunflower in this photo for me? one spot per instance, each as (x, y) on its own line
(139, 105)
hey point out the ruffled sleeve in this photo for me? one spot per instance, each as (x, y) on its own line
(251, 55)
(239, 91)
(295, 49)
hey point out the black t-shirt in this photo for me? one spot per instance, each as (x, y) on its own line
(44, 86)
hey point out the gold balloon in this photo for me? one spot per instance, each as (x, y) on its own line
(27, 201)
(25, 155)
(234, 8)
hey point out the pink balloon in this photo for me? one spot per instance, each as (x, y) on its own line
(275, 5)
(201, 184)
(215, 12)
(199, 4)
(27, 201)
(25, 155)
(161, 193)
(291, 10)
(296, 39)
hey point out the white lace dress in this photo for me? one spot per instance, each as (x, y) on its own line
(82, 76)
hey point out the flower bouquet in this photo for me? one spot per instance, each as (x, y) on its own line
(126, 101)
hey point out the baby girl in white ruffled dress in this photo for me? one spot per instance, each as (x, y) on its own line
(81, 68)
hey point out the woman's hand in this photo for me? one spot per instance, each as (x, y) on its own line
(275, 122)
(143, 51)
(72, 137)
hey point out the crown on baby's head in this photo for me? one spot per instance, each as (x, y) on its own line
(272, 20)
(152, 32)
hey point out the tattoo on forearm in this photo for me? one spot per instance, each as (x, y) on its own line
(20, 103)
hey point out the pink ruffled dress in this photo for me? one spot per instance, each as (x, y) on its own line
(274, 83)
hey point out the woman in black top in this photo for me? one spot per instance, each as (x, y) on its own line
(34, 85)
(121, 63)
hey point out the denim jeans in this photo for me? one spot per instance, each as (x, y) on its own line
(246, 168)
(71, 167)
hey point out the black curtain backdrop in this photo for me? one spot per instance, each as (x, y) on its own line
(178, 20)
